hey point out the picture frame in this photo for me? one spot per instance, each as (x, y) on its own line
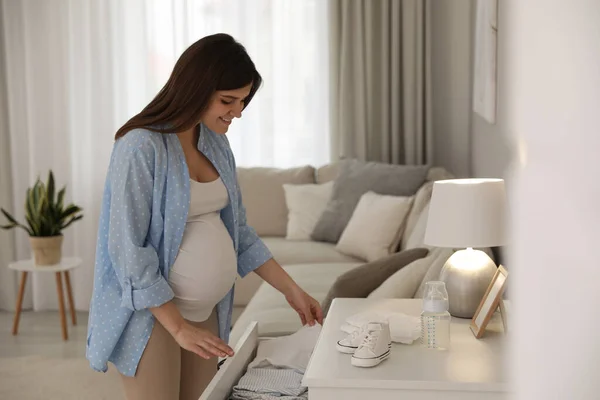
(485, 60)
(490, 302)
(504, 311)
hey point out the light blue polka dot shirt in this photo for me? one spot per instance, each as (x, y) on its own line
(144, 211)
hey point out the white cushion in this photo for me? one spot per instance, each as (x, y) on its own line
(421, 200)
(305, 205)
(274, 315)
(404, 283)
(417, 236)
(375, 227)
(264, 199)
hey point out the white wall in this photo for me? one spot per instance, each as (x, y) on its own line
(492, 144)
(451, 86)
(465, 143)
(552, 81)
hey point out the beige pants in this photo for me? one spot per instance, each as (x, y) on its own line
(168, 372)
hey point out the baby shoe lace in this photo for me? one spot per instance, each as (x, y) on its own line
(355, 334)
(370, 340)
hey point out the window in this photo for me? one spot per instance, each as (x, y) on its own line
(287, 123)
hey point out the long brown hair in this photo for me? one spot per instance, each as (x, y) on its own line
(215, 62)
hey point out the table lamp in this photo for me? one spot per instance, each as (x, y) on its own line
(467, 213)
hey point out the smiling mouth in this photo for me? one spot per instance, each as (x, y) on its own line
(225, 121)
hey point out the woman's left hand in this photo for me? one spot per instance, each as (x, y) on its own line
(307, 307)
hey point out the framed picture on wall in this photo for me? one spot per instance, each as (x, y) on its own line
(485, 68)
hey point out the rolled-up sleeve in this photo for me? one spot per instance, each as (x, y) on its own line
(134, 260)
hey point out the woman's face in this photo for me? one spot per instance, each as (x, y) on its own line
(224, 106)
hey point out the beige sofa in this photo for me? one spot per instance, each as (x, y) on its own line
(313, 265)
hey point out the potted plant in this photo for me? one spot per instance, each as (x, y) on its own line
(46, 218)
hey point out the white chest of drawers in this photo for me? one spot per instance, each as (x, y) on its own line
(473, 369)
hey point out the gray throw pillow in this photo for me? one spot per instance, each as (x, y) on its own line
(362, 280)
(355, 179)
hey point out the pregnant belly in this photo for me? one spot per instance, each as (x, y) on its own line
(206, 265)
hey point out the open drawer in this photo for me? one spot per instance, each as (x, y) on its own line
(233, 368)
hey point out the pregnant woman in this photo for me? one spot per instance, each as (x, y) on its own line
(173, 234)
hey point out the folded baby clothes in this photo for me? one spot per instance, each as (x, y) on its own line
(403, 328)
(245, 395)
(278, 368)
(292, 351)
(270, 383)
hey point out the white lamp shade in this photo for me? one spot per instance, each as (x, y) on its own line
(467, 213)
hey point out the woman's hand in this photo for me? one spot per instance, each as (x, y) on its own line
(307, 307)
(196, 340)
(201, 342)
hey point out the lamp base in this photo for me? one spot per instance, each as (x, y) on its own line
(467, 275)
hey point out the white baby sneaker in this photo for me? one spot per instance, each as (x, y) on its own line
(375, 347)
(350, 343)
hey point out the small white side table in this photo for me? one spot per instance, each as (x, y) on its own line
(66, 264)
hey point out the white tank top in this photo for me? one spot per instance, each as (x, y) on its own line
(206, 265)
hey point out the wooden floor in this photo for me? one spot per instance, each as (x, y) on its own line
(40, 334)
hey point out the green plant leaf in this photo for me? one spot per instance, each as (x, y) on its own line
(44, 216)
(35, 226)
(29, 205)
(17, 226)
(70, 210)
(46, 227)
(61, 197)
(13, 221)
(44, 209)
(36, 198)
(43, 199)
(71, 221)
(50, 189)
(9, 217)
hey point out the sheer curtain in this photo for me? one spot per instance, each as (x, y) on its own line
(287, 123)
(77, 69)
(8, 287)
